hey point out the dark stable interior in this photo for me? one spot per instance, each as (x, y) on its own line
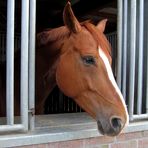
(49, 15)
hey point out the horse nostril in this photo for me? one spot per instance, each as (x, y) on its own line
(116, 123)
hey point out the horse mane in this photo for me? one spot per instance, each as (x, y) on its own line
(99, 37)
(49, 36)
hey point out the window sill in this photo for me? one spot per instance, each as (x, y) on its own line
(62, 127)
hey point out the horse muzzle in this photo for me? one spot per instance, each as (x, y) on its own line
(112, 127)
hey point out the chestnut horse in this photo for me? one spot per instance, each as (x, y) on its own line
(78, 57)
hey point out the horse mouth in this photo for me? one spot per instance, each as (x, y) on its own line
(100, 128)
(108, 130)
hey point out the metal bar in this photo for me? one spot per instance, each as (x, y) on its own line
(147, 77)
(10, 62)
(140, 56)
(119, 44)
(24, 62)
(32, 62)
(132, 58)
(124, 49)
(10, 128)
(140, 117)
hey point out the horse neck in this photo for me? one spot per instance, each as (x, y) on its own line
(47, 59)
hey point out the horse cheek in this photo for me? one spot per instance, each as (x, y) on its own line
(67, 80)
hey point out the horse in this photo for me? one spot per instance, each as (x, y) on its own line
(78, 58)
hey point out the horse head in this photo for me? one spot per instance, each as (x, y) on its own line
(84, 73)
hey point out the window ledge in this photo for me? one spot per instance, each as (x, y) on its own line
(63, 127)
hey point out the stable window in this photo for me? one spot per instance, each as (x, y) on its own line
(130, 66)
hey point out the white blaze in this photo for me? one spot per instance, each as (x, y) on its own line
(112, 79)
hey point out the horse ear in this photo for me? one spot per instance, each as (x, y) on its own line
(70, 20)
(101, 25)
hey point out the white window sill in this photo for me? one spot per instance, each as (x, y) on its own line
(62, 127)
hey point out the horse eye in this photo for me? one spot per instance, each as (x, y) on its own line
(88, 60)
